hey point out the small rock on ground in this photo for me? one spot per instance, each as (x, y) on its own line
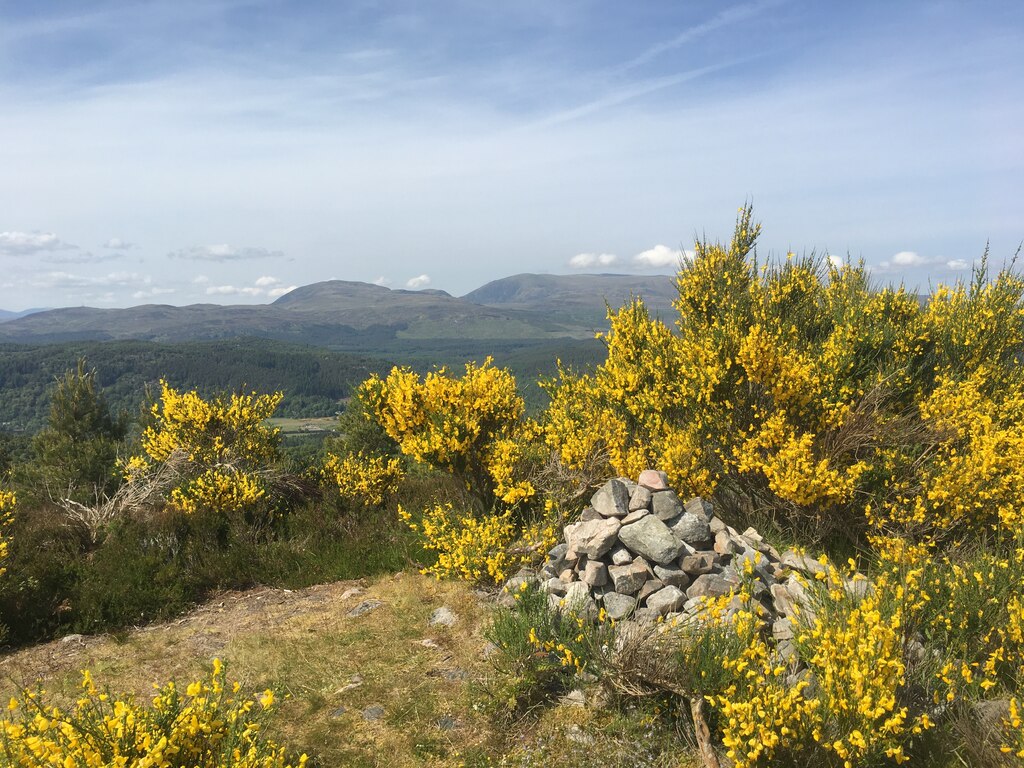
(365, 607)
(442, 617)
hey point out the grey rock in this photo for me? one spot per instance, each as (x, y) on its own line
(699, 506)
(649, 588)
(698, 563)
(557, 552)
(620, 555)
(716, 524)
(68, 639)
(579, 601)
(782, 599)
(593, 537)
(574, 698)
(442, 617)
(666, 600)
(632, 517)
(590, 514)
(672, 575)
(725, 544)
(665, 505)
(802, 563)
(618, 606)
(858, 587)
(640, 499)
(338, 712)
(651, 538)
(628, 579)
(568, 575)
(447, 723)
(555, 587)
(596, 574)
(753, 535)
(611, 499)
(692, 529)
(364, 608)
(373, 712)
(653, 480)
(782, 629)
(709, 585)
(645, 616)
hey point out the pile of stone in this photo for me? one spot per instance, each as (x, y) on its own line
(639, 552)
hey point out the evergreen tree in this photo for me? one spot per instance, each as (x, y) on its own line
(76, 453)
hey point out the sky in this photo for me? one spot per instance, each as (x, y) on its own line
(226, 151)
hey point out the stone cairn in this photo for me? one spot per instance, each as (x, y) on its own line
(640, 553)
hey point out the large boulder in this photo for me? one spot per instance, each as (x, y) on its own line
(652, 539)
(612, 499)
(592, 537)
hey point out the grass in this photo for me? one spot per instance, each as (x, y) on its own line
(331, 666)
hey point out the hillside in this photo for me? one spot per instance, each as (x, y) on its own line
(315, 381)
(358, 316)
(576, 298)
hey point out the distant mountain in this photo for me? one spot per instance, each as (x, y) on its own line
(6, 314)
(361, 317)
(576, 298)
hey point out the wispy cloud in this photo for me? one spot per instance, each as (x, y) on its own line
(31, 243)
(382, 281)
(661, 256)
(420, 281)
(725, 18)
(152, 293)
(270, 287)
(224, 252)
(913, 260)
(119, 244)
(62, 280)
(591, 260)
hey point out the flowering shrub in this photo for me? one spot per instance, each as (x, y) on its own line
(800, 390)
(217, 448)
(483, 547)
(7, 502)
(207, 727)
(363, 480)
(473, 426)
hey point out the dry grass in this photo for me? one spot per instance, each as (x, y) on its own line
(333, 667)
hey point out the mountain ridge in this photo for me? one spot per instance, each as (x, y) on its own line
(337, 313)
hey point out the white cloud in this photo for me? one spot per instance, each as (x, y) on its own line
(263, 286)
(660, 256)
(223, 252)
(589, 260)
(836, 261)
(29, 243)
(382, 281)
(74, 256)
(152, 292)
(420, 281)
(119, 244)
(71, 280)
(909, 259)
(200, 279)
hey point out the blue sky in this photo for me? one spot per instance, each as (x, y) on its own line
(213, 150)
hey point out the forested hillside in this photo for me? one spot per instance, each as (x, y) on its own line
(315, 380)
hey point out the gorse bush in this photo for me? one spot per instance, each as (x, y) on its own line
(796, 390)
(216, 451)
(473, 426)
(7, 502)
(207, 726)
(362, 480)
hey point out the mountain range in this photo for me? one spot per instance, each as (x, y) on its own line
(347, 315)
